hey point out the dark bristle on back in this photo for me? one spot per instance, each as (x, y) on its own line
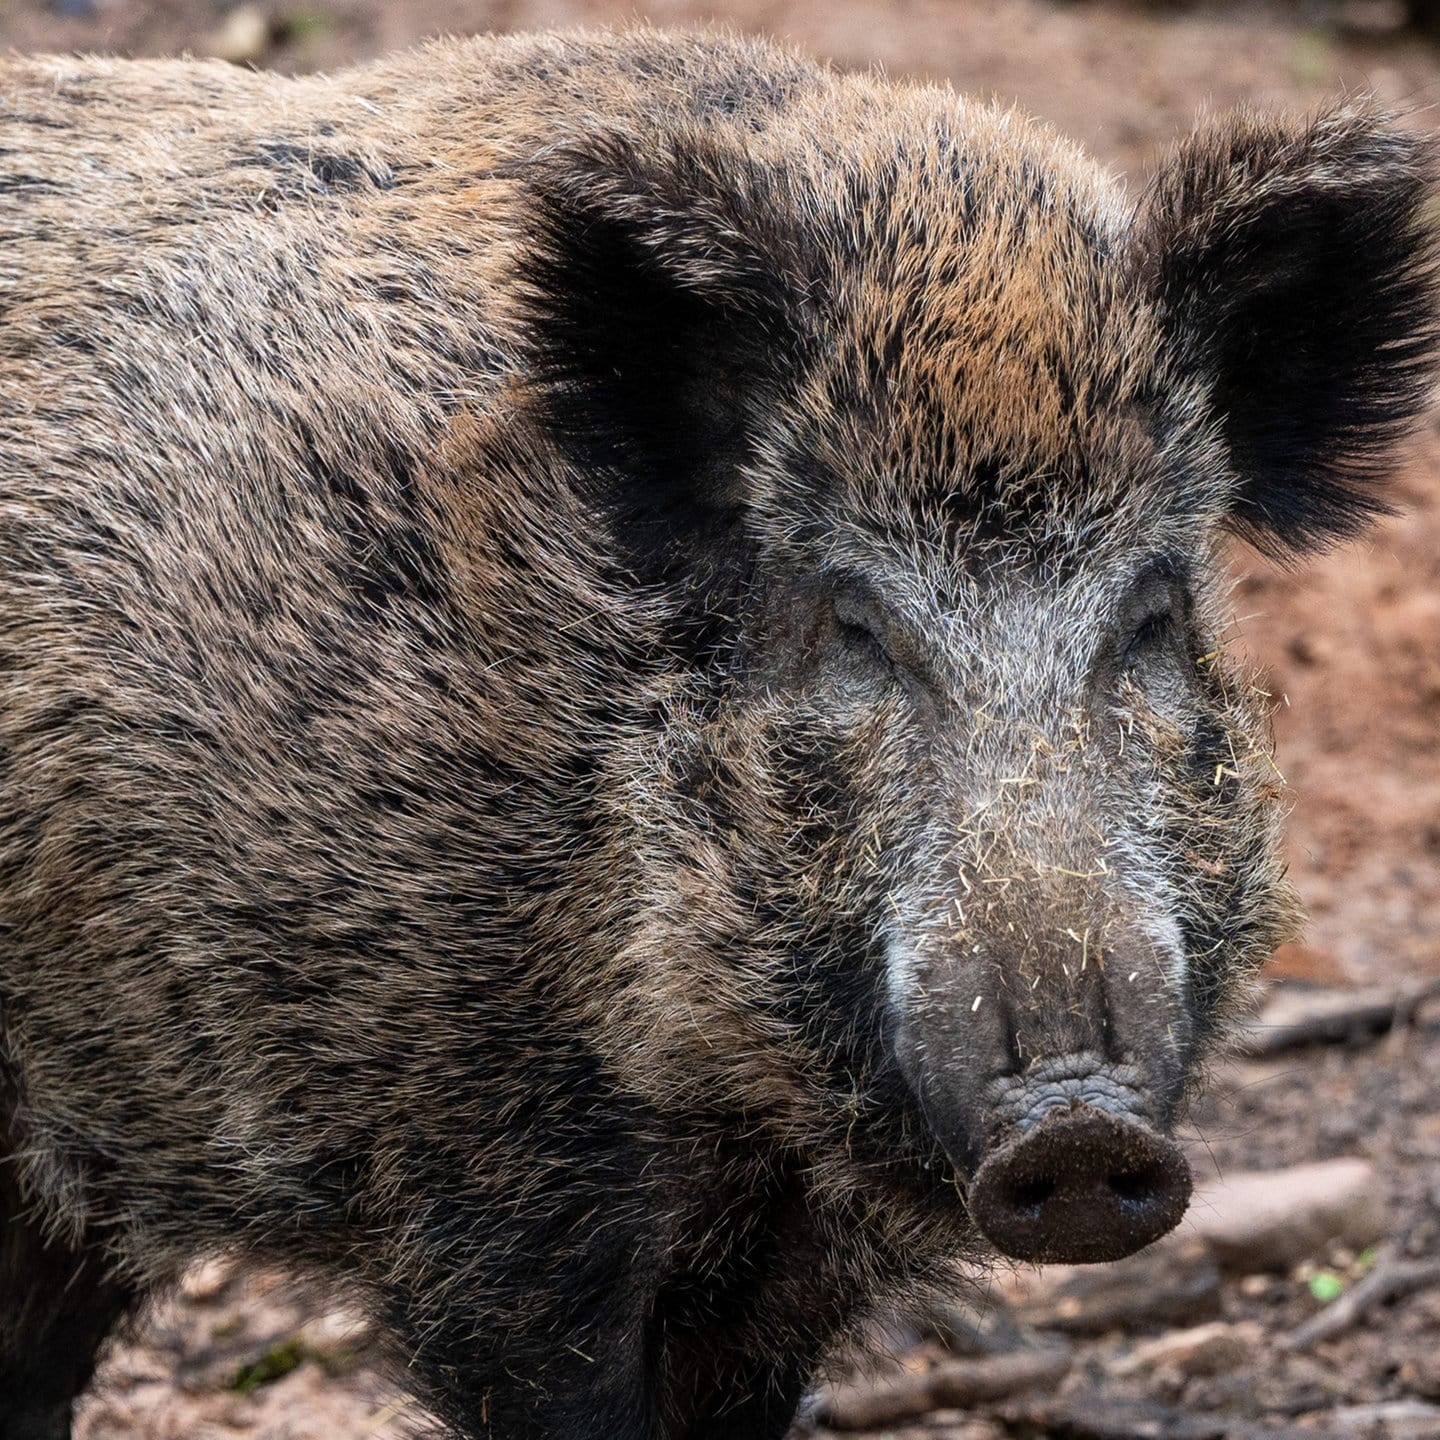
(1296, 273)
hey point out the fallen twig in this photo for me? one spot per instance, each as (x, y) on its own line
(1174, 1283)
(955, 1384)
(1395, 1419)
(1098, 1417)
(1296, 1016)
(1388, 1279)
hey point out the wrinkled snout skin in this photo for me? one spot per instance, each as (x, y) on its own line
(1049, 1003)
(619, 727)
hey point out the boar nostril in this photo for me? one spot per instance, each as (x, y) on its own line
(1083, 1185)
(1135, 1189)
(1030, 1195)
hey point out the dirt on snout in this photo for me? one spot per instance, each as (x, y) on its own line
(1349, 647)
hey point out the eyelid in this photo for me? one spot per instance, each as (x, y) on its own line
(1157, 606)
(860, 613)
(1160, 572)
(855, 606)
(1152, 594)
(1150, 608)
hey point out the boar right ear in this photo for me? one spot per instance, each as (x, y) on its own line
(661, 316)
(1294, 271)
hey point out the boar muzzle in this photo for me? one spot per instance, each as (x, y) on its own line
(1081, 1185)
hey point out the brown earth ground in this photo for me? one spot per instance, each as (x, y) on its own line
(1351, 647)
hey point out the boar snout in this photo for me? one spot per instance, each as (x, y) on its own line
(1081, 1184)
(1051, 1085)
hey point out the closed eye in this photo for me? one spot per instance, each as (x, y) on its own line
(1154, 630)
(859, 629)
(878, 645)
(1150, 614)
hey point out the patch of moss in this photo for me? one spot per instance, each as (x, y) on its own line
(273, 1365)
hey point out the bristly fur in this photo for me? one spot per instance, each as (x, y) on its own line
(607, 643)
(1296, 269)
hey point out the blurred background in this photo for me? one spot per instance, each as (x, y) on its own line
(1305, 1303)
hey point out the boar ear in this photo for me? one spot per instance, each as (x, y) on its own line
(661, 319)
(1294, 271)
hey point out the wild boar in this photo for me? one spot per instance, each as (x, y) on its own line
(616, 728)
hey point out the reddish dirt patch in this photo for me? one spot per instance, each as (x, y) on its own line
(1352, 644)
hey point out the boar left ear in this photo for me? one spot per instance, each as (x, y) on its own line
(1294, 271)
(661, 315)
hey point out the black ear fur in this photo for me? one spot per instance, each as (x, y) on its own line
(663, 316)
(1294, 268)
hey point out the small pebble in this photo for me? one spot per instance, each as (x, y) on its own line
(243, 38)
(1201, 1350)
